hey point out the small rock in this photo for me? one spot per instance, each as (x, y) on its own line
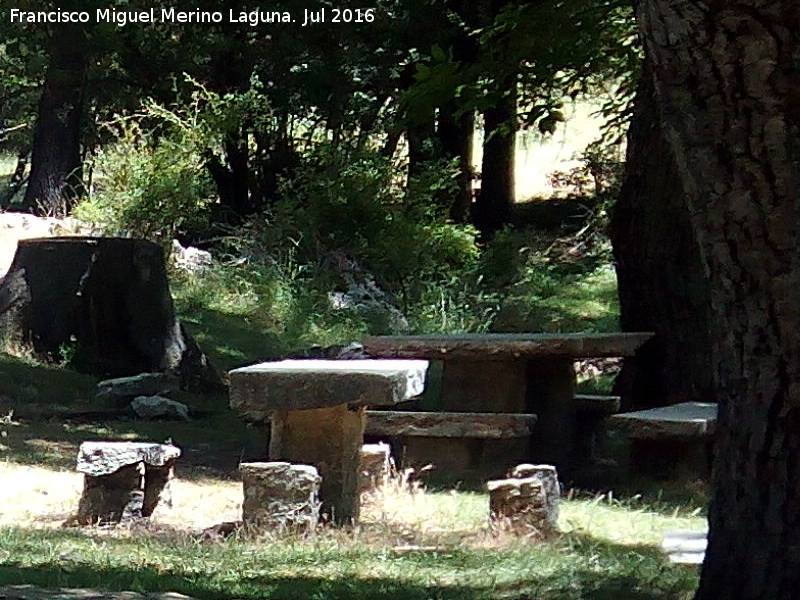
(528, 500)
(121, 390)
(190, 259)
(375, 467)
(158, 407)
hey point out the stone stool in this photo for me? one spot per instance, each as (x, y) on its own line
(528, 500)
(280, 495)
(317, 410)
(376, 466)
(123, 480)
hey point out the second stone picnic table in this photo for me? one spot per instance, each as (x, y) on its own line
(512, 373)
(317, 411)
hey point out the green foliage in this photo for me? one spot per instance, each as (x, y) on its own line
(146, 187)
(152, 180)
(351, 203)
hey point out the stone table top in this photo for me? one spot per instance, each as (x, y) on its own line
(505, 346)
(261, 389)
(104, 458)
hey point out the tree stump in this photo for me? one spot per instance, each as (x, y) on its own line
(101, 304)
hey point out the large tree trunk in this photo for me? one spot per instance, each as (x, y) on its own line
(728, 86)
(662, 285)
(56, 177)
(101, 304)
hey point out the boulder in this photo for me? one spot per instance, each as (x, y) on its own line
(190, 259)
(158, 407)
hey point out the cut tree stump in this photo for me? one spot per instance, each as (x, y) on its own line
(101, 304)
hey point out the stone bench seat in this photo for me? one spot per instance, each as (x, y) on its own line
(123, 480)
(684, 546)
(671, 442)
(687, 420)
(597, 404)
(449, 424)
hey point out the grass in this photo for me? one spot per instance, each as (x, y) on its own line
(431, 545)
(409, 545)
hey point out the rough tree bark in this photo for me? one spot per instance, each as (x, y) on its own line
(102, 304)
(662, 285)
(728, 87)
(56, 176)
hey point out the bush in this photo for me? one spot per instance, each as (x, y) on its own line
(146, 187)
(351, 203)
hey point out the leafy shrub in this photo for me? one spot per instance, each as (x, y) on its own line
(352, 203)
(146, 187)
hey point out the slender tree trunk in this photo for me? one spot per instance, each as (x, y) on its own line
(662, 285)
(492, 210)
(728, 86)
(56, 178)
(456, 136)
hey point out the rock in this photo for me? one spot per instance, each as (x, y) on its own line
(375, 467)
(684, 546)
(121, 390)
(158, 407)
(363, 295)
(528, 501)
(549, 477)
(190, 259)
(280, 495)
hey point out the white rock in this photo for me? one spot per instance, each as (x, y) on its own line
(157, 407)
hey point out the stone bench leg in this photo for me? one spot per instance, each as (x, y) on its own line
(330, 439)
(105, 498)
(679, 459)
(279, 495)
(157, 482)
(550, 393)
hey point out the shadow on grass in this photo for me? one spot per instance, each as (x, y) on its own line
(211, 447)
(577, 566)
(231, 341)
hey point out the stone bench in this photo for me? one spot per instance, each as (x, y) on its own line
(317, 413)
(449, 424)
(422, 438)
(123, 480)
(684, 546)
(671, 440)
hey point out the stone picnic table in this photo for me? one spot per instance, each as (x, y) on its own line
(317, 413)
(511, 373)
